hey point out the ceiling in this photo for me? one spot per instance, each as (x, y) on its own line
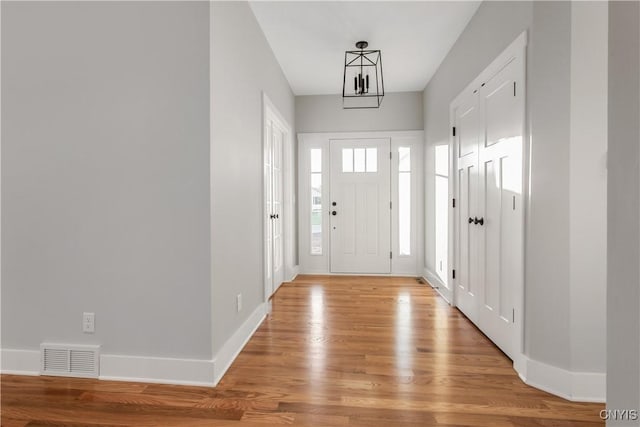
(309, 39)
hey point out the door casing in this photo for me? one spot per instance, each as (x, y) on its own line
(412, 265)
(272, 117)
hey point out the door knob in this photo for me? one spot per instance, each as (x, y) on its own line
(272, 216)
(277, 215)
(334, 213)
(333, 203)
(470, 220)
(478, 221)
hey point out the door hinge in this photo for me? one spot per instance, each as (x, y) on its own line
(390, 255)
(390, 205)
(453, 204)
(390, 154)
(513, 315)
(514, 88)
(454, 131)
(453, 274)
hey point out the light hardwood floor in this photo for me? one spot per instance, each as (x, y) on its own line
(336, 351)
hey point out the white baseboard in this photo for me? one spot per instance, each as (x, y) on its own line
(434, 281)
(157, 370)
(234, 345)
(122, 368)
(20, 362)
(325, 273)
(293, 273)
(164, 370)
(574, 386)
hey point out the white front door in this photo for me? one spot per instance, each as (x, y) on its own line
(466, 117)
(500, 205)
(274, 251)
(360, 205)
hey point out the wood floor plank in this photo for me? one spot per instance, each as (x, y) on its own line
(335, 351)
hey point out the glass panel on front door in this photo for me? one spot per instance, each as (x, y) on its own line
(360, 160)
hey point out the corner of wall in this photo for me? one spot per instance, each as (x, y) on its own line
(238, 340)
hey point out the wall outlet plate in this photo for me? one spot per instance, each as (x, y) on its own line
(88, 323)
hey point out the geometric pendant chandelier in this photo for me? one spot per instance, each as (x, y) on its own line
(362, 84)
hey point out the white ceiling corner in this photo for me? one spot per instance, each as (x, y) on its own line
(309, 38)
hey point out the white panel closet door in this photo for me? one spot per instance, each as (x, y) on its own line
(466, 117)
(268, 208)
(278, 211)
(500, 205)
(488, 120)
(360, 206)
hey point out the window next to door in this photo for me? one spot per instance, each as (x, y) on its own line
(404, 200)
(442, 210)
(316, 201)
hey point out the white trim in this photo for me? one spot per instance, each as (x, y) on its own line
(437, 284)
(271, 113)
(156, 370)
(20, 362)
(292, 273)
(151, 369)
(411, 266)
(387, 275)
(234, 345)
(573, 386)
(516, 48)
(123, 368)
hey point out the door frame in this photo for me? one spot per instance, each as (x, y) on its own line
(271, 113)
(518, 48)
(319, 264)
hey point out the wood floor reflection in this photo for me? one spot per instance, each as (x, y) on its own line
(336, 351)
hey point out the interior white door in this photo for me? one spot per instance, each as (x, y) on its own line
(500, 205)
(488, 120)
(466, 119)
(273, 186)
(360, 206)
(278, 211)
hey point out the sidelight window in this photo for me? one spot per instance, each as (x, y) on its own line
(316, 201)
(442, 210)
(404, 200)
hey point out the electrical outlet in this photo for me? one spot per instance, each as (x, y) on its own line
(88, 323)
(239, 303)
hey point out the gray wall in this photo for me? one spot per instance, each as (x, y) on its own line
(588, 185)
(493, 27)
(623, 296)
(547, 290)
(324, 113)
(548, 332)
(236, 168)
(105, 176)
